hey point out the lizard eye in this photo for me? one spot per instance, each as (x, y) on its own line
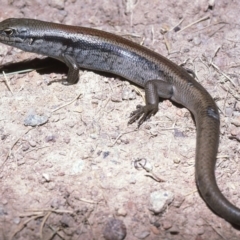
(8, 31)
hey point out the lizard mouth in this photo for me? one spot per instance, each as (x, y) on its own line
(7, 39)
(4, 39)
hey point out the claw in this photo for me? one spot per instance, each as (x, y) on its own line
(143, 112)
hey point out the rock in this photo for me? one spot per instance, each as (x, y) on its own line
(115, 229)
(159, 201)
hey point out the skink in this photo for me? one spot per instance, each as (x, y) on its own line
(80, 47)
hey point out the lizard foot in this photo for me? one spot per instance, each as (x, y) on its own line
(143, 113)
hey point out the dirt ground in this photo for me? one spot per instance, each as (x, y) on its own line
(68, 177)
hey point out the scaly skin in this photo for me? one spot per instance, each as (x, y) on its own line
(93, 49)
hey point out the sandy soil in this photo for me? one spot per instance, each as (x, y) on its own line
(66, 178)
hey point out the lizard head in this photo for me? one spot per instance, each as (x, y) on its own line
(14, 31)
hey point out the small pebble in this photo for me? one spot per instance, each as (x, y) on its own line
(200, 230)
(35, 120)
(16, 220)
(50, 138)
(236, 121)
(197, 40)
(20, 160)
(174, 230)
(46, 177)
(176, 160)
(166, 225)
(32, 143)
(199, 222)
(128, 94)
(116, 98)
(159, 201)
(155, 230)
(114, 229)
(25, 147)
(122, 212)
(142, 235)
(228, 111)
